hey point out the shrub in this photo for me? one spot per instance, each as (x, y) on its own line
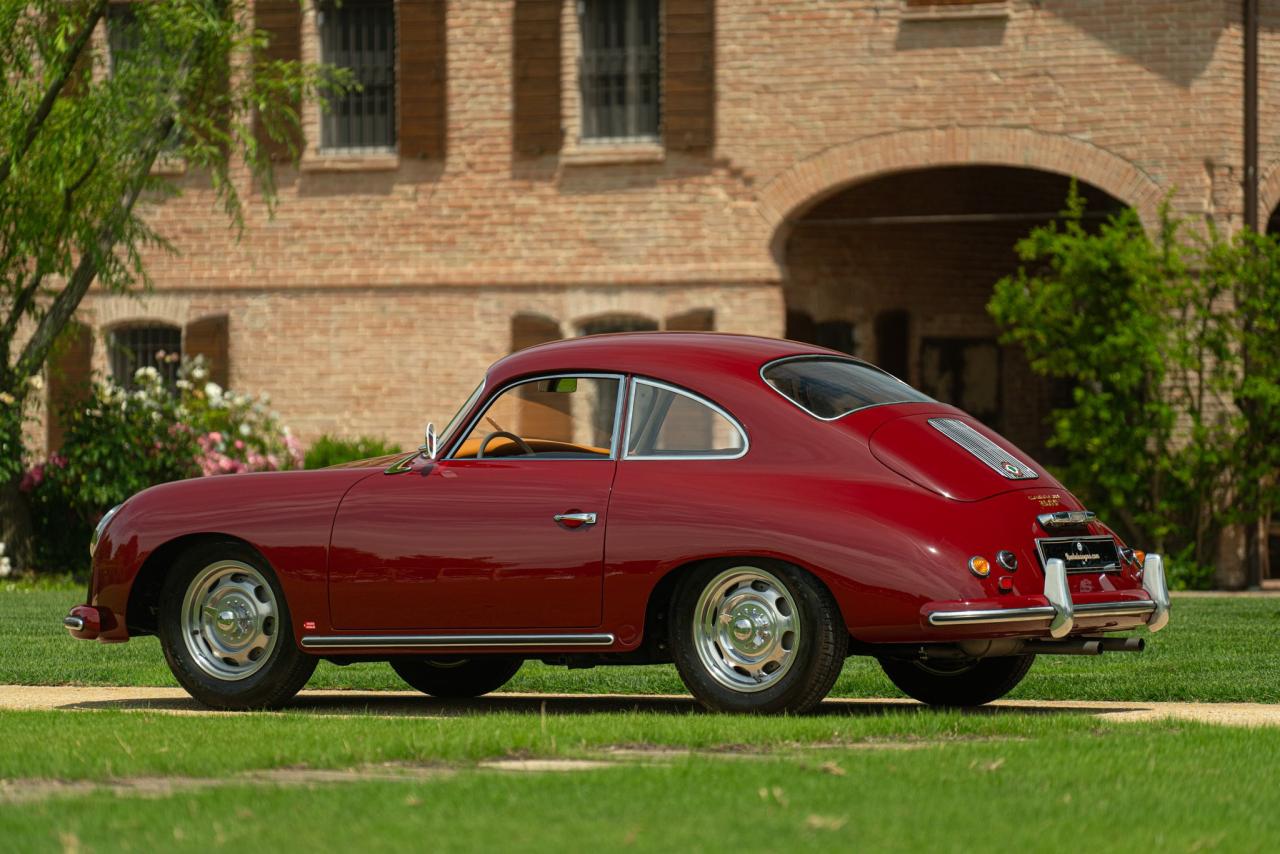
(1171, 340)
(330, 450)
(120, 441)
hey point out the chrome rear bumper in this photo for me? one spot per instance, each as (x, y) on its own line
(1062, 611)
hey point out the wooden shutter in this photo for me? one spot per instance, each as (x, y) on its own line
(70, 372)
(689, 75)
(282, 22)
(536, 120)
(210, 337)
(697, 320)
(421, 78)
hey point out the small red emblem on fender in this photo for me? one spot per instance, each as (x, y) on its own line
(309, 624)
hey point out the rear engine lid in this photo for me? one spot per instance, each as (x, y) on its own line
(955, 456)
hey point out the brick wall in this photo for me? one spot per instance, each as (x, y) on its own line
(378, 293)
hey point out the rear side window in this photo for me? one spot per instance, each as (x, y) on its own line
(668, 423)
(832, 388)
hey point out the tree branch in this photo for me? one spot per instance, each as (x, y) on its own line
(59, 82)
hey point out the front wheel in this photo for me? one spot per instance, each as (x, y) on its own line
(226, 632)
(960, 683)
(756, 637)
(456, 677)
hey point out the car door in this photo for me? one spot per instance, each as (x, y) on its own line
(507, 532)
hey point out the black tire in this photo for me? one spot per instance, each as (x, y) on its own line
(819, 644)
(958, 685)
(457, 677)
(286, 667)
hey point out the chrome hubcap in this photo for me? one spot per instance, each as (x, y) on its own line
(229, 620)
(746, 629)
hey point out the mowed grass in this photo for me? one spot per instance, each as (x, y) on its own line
(1223, 649)
(1063, 781)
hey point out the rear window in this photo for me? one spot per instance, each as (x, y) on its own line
(831, 388)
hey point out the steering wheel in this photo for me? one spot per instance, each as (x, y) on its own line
(484, 443)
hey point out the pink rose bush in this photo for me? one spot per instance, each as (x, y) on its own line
(122, 440)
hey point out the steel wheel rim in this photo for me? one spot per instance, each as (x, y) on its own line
(746, 629)
(230, 620)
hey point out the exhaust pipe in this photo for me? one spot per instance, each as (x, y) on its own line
(1064, 647)
(1085, 646)
(1123, 644)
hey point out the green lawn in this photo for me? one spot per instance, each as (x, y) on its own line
(1215, 649)
(864, 777)
(1005, 781)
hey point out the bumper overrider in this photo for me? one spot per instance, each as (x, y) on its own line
(1062, 613)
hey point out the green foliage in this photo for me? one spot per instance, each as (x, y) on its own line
(330, 450)
(1169, 341)
(121, 441)
(79, 134)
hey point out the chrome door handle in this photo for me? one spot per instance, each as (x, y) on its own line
(573, 520)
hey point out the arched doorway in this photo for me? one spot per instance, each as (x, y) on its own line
(898, 269)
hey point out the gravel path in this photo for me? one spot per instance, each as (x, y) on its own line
(408, 703)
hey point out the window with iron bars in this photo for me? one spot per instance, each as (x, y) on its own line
(149, 345)
(124, 38)
(618, 69)
(360, 35)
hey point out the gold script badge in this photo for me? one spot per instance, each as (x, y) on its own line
(1047, 499)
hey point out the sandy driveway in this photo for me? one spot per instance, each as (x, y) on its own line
(407, 703)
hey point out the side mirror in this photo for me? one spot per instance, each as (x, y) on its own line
(431, 445)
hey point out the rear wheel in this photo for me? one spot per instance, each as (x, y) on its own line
(456, 677)
(756, 637)
(225, 629)
(958, 683)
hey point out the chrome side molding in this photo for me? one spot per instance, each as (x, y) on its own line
(455, 641)
(1157, 587)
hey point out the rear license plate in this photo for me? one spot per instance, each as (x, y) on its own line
(1081, 554)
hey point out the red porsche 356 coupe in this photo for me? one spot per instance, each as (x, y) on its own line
(753, 510)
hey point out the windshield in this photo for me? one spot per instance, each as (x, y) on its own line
(830, 388)
(457, 416)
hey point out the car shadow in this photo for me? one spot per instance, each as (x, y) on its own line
(400, 704)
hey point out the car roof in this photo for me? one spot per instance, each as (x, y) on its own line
(659, 354)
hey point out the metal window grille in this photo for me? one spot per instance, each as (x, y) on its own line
(360, 35)
(618, 69)
(122, 33)
(152, 345)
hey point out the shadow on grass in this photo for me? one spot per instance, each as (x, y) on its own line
(402, 705)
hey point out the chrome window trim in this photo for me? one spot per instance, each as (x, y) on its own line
(696, 398)
(810, 357)
(617, 415)
(455, 641)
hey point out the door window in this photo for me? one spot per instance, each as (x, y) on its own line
(668, 423)
(562, 417)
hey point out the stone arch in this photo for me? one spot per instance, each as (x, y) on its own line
(1269, 193)
(814, 179)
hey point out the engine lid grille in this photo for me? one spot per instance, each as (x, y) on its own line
(995, 457)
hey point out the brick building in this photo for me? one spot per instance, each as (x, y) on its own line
(852, 172)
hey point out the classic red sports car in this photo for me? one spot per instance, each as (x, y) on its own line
(753, 510)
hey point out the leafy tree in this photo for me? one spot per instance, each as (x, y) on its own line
(1170, 341)
(79, 134)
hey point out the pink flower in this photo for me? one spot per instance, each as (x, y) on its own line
(225, 464)
(215, 436)
(33, 478)
(58, 461)
(239, 444)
